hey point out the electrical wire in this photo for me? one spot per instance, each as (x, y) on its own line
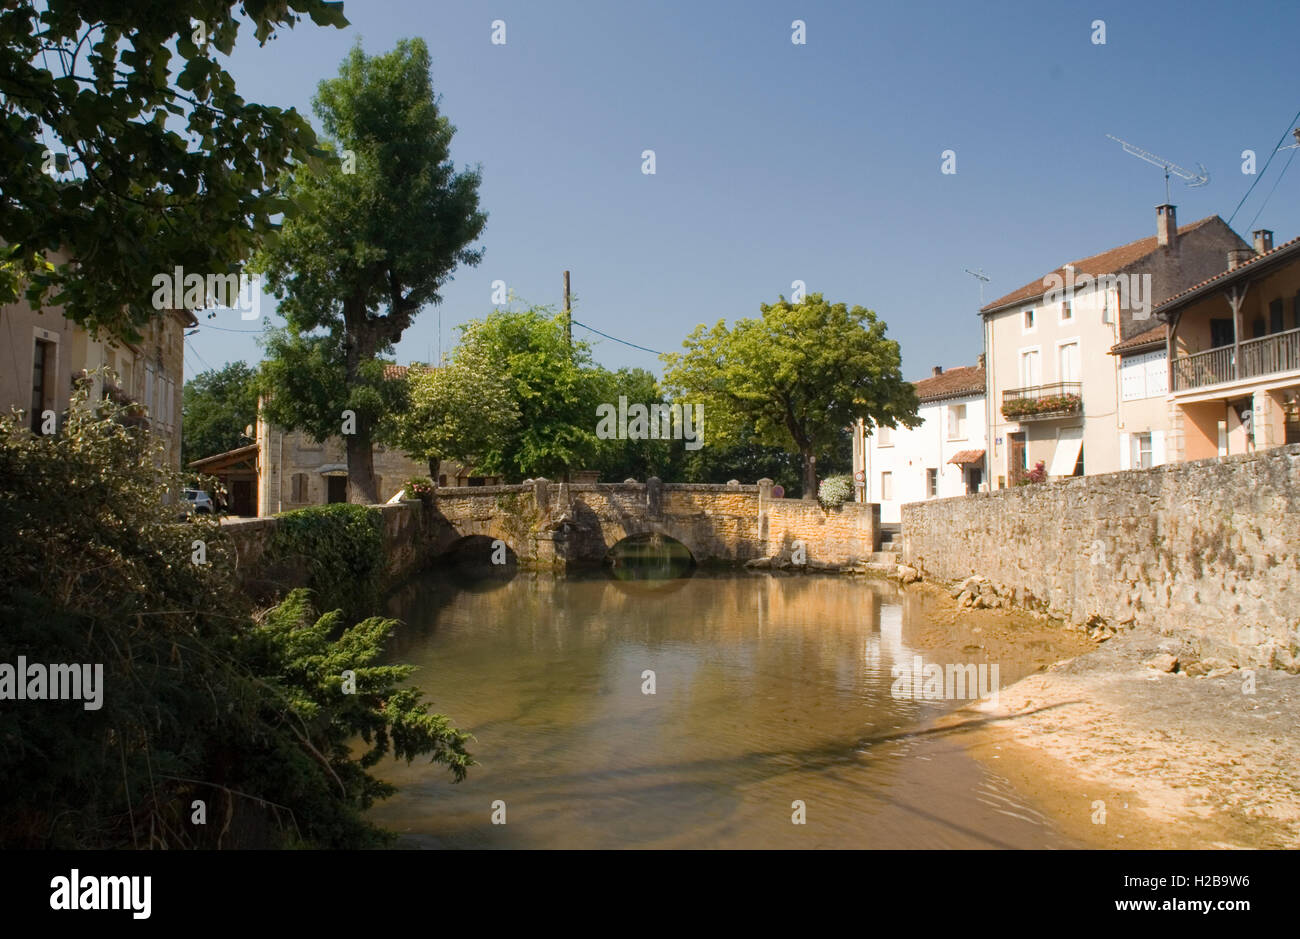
(1289, 127)
(616, 339)
(1273, 190)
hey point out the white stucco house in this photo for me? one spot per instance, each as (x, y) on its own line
(943, 456)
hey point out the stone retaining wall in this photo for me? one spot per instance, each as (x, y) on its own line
(1208, 550)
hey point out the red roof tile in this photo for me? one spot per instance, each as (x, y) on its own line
(962, 457)
(1108, 262)
(962, 380)
(1153, 336)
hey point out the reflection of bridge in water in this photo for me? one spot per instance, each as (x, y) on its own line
(547, 524)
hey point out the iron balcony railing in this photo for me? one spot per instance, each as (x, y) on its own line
(1042, 402)
(1266, 355)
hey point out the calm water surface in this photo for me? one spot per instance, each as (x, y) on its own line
(768, 690)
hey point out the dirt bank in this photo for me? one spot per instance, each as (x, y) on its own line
(1121, 754)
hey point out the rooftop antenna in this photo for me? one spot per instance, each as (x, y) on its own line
(1194, 180)
(1295, 146)
(982, 278)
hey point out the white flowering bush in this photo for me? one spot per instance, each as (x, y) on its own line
(835, 491)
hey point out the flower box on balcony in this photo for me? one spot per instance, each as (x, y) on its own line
(1058, 405)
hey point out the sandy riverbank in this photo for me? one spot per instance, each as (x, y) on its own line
(1178, 761)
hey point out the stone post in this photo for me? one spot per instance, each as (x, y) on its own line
(542, 495)
(654, 497)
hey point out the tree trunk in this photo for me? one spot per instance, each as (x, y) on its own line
(809, 475)
(359, 346)
(434, 465)
(361, 467)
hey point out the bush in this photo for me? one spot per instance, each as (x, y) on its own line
(341, 546)
(418, 487)
(835, 491)
(201, 699)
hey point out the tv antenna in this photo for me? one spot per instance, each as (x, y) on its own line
(1295, 146)
(1194, 180)
(982, 278)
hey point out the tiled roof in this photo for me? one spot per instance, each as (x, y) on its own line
(1108, 262)
(1226, 276)
(395, 371)
(962, 457)
(1153, 336)
(962, 380)
(236, 455)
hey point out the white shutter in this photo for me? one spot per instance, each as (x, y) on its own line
(1157, 448)
(1157, 374)
(148, 388)
(1132, 379)
(1125, 452)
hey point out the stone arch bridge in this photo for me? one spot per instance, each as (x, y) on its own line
(563, 525)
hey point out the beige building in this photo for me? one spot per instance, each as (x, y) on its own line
(1058, 363)
(1234, 352)
(43, 353)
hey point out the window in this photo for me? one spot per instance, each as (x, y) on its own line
(148, 387)
(1141, 451)
(956, 422)
(884, 437)
(1106, 316)
(42, 369)
(299, 487)
(1275, 316)
(1221, 332)
(1068, 361)
(1029, 320)
(1067, 311)
(931, 483)
(442, 479)
(1030, 370)
(886, 487)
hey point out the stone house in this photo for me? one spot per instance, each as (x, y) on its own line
(1054, 393)
(1233, 346)
(943, 456)
(44, 353)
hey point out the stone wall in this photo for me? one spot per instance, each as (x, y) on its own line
(1208, 551)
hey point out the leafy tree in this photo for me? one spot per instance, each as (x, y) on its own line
(635, 459)
(460, 411)
(371, 247)
(555, 388)
(743, 459)
(199, 699)
(128, 165)
(797, 376)
(216, 407)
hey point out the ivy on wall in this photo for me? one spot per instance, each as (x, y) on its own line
(341, 548)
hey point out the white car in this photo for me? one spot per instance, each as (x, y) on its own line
(196, 502)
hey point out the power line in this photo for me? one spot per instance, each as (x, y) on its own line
(616, 339)
(1291, 124)
(226, 329)
(1273, 190)
(199, 357)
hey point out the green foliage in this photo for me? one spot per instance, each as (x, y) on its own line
(461, 411)
(342, 547)
(835, 491)
(368, 250)
(216, 406)
(418, 487)
(199, 701)
(555, 389)
(158, 165)
(797, 376)
(1047, 404)
(618, 460)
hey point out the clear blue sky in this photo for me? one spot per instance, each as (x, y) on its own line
(817, 162)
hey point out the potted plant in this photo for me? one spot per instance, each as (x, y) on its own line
(418, 487)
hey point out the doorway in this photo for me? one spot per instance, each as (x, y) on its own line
(338, 488)
(1016, 466)
(241, 497)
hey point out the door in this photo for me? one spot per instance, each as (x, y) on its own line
(1220, 333)
(338, 488)
(1016, 466)
(973, 479)
(241, 497)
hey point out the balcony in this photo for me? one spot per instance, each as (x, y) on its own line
(1043, 402)
(1266, 355)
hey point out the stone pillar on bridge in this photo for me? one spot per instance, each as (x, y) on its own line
(764, 500)
(542, 495)
(654, 497)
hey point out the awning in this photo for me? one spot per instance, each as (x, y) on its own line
(333, 469)
(1068, 445)
(965, 457)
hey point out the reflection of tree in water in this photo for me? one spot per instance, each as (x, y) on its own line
(653, 561)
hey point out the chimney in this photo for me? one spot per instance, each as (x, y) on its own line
(980, 360)
(1238, 257)
(1166, 227)
(938, 370)
(1263, 240)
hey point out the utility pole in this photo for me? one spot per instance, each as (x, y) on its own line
(568, 314)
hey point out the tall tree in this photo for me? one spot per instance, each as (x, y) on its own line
(797, 376)
(374, 242)
(460, 411)
(128, 165)
(216, 406)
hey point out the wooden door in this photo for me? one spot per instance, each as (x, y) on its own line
(1016, 466)
(241, 496)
